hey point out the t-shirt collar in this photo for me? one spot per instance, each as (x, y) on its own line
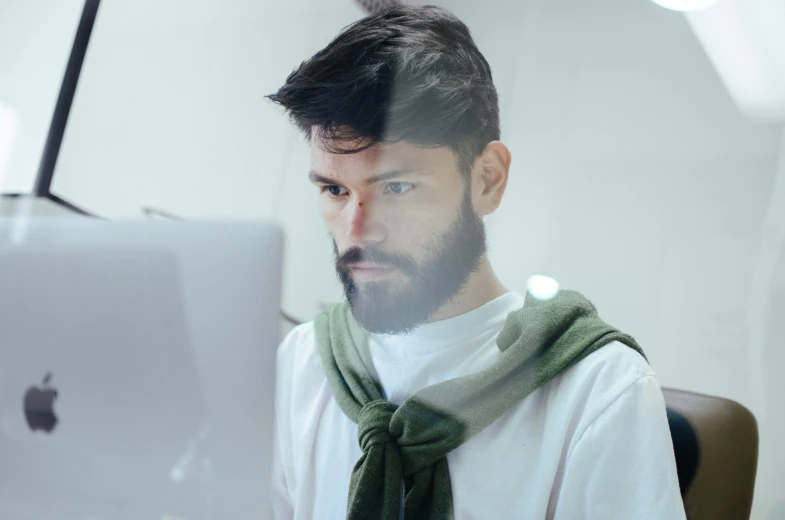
(438, 335)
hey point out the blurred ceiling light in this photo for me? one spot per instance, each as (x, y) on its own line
(745, 42)
(685, 5)
(542, 287)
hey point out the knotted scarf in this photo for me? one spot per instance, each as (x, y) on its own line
(404, 447)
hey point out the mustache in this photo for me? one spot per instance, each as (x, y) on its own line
(357, 254)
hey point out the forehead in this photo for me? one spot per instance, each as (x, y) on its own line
(380, 158)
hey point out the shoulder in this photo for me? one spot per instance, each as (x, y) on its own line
(301, 346)
(617, 454)
(299, 373)
(587, 389)
(609, 370)
(299, 351)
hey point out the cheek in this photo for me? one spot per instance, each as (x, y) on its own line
(331, 214)
(327, 213)
(424, 233)
(413, 237)
(335, 219)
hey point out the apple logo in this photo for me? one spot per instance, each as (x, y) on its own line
(39, 406)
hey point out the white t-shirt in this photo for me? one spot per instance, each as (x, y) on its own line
(592, 443)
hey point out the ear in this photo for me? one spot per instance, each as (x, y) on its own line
(489, 177)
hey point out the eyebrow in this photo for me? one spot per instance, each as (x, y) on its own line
(386, 176)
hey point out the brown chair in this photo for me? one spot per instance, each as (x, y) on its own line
(716, 445)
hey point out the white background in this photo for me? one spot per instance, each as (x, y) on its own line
(635, 178)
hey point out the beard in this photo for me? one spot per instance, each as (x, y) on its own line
(395, 306)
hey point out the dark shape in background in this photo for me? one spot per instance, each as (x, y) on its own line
(685, 448)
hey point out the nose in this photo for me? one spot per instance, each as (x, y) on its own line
(363, 222)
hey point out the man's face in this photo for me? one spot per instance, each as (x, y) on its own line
(405, 234)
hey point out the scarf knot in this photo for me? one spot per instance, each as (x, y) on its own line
(373, 424)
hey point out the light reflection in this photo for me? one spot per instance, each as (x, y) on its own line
(685, 5)
(543, 287)
(9, 122)
(744, 41)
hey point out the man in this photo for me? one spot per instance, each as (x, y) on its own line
(435, 392)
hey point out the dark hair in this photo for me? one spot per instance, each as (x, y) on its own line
(404, 73)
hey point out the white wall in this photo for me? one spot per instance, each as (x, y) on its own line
(635, 179)
(35, 42)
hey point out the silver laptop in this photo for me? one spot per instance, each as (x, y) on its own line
(137, 368)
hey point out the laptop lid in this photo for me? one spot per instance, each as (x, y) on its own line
(137, 367)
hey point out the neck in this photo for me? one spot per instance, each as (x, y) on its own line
(481, 287)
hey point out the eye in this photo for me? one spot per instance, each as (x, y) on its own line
(398, 188)
(334, 190)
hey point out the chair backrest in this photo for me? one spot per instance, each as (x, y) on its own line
(716, 445)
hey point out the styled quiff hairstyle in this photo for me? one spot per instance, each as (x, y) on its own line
(403, 74)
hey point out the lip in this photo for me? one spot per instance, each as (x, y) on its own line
(366, 272)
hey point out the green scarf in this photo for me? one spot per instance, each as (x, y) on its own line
(404, 447)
